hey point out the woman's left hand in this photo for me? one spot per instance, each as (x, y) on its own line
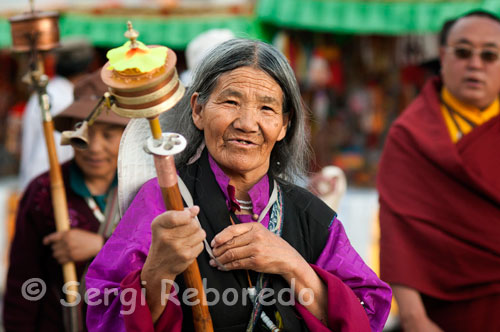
(74, 245)
(251, 246)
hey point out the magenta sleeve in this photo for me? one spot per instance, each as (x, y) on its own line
(341, 260)
(345, 312)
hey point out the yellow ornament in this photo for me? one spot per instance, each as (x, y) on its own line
(139, 59)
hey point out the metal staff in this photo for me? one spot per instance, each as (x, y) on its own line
(33, 32)
(147, 95)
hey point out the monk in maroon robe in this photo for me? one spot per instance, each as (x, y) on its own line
(439, 185)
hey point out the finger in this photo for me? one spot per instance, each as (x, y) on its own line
(56, 236)
(232, 231)
(185, 231)
(191, 254)
(59, 246)
(195, 239)
(74, 234)
(236, 254)
(194, 210)
(173, 219)
(61, 257)
(198, 249)
(63, 260)
(235, 242)
(247, 263)
(181, 245)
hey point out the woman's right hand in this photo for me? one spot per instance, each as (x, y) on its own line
(177, 239)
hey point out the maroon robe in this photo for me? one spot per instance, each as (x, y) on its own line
(29, 258)
(440, 214)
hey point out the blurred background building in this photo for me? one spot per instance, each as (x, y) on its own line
(359, 63)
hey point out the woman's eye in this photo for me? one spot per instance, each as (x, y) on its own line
(231, 102)
(267, 108)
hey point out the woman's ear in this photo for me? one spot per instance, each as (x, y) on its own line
(196, 111)
(282, 133)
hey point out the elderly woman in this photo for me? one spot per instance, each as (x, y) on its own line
(38, 250)
(245, 127)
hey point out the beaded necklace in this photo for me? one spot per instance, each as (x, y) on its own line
(245, 205)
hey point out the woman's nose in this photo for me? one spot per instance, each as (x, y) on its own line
(247, 120)
(95, 142)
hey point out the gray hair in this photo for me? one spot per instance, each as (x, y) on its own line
(290, 156)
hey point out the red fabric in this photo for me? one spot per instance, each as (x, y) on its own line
(30, 258)
(139, 319)
(480, 151)
(343, 316)
(465, 316)
(18, 109)
(440, 204)
(345, 312)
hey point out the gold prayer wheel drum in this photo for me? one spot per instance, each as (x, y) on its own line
(145, 95)
(40, 29)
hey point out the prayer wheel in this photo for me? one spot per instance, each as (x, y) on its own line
(144, 83)
(144, 95)
(35, 29)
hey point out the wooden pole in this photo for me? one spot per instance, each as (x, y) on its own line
(59, 202)
(167, 179)
(59, 205)
(38, 25)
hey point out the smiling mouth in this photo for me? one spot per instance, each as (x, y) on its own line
(94, 161)
(241, 141)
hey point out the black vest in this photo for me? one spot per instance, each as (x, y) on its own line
(306, 220)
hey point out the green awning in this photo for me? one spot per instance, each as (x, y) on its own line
(367, 17)
(174, 32)
(390, 17)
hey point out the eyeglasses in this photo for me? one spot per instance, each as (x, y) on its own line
(464, 53)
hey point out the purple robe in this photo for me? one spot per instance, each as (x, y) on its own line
(118, 266)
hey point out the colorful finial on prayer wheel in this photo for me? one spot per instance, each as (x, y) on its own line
(142, 79)
(132, 35)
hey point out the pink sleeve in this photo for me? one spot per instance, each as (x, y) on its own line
(139, 317)
(345, 312)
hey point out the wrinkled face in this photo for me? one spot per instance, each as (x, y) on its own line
(101, 157)
(474, 81)
(242, 120)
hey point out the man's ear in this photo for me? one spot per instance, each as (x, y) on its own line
(196, 111)
(284, 127)
(442, 50)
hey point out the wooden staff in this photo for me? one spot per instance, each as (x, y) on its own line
(33, 32)
(167, 179)
(148, 95)
(58, 194)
